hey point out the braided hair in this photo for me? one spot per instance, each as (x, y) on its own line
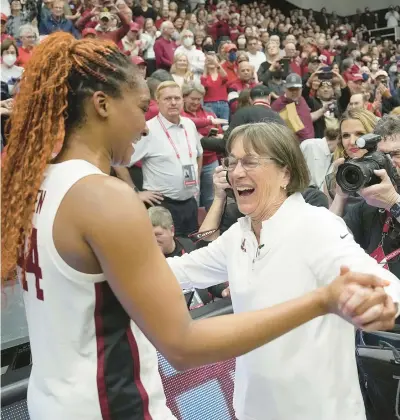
(62, 72)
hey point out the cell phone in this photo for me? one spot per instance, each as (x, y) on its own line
(325, 76)
(213, 132)
(284, 61)
(326, 69)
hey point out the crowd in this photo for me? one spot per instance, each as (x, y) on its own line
(252, 115)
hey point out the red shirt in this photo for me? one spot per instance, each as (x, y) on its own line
(152, 111)
(295, 67)
(164, 50)
(234, 33)
(23, 56)
(303, 111)
(212, 30)
(159, 22)
(230, 70)
(203, 126)
(216, 90)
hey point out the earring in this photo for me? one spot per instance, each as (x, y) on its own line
(284, 187)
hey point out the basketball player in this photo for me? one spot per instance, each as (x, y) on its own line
(91, 263)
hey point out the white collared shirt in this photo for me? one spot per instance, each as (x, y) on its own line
(309, 373)
(195, 57)
(162, 170)
(318, 158)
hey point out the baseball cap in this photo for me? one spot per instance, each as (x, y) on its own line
(88, 31)
(138, 61)
(294, 81)
(355, 77)
(229, 47)
(105, 15)
(4, 17)
(380, 73)
(134, 27)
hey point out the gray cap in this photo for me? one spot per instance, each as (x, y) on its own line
(294, 81)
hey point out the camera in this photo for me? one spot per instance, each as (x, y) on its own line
(355, 174)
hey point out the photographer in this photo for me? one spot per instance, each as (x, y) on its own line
(325, 108)
(375, 221)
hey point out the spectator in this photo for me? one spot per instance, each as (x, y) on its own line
(357, 101)
(172, 246)
(389, 102)
(145, 10)
(57, 21)
(244, 81)
(164, 47)
(294, 109)
(273, 57)
(164, 17)
(318, 154)
(180, 70)
(140, 64)
(28, 37)
(4, 34)
(230, 65)
(215, 81)
(89, 33)
(369, 19)
(196, 57)
(152, 111)
(103, 23)
(392, 18)
(148, 38)
(131, 43)
(171, 167)
(256, 57)
(19, 17)
(10, 73)
(193, 94)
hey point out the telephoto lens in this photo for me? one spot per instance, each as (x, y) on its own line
(353, 175)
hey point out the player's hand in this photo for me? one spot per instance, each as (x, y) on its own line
(151, 198)
(226, 292)
(341, 297)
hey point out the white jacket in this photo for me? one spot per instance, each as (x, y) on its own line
(309, 373)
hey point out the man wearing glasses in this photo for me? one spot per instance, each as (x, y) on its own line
(375, 222)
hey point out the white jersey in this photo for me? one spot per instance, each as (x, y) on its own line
(90, 361)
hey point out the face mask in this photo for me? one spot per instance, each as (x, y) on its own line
(188, 42)
(232, 56)
(374, 67)
(241, 41)
(9, 59)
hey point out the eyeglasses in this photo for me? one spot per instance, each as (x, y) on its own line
(248, 163)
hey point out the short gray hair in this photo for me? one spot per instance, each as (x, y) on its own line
(160, 217)
(27, 29)
(186, 32)
(190, 87)
(388, 126)
(278, 142)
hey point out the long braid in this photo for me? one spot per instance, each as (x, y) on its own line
(59, 66)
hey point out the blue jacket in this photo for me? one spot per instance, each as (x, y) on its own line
(50, 25)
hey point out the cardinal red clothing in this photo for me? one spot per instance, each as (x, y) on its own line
(295, 67)
(24, 55)
(303, 111)
(152, 110)
(203, 126)
(222, 28)
(234, 33)
(164, 51)
(234, 90)
(216, 90)
(212, 31)
(230, 70)
(159, 22)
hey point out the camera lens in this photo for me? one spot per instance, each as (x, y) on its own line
(351, 176)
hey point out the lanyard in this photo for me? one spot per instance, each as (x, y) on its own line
(378, 254)
(171, 141)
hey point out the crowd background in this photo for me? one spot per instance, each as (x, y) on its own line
(304, 67)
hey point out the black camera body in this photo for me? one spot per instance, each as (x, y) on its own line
(356, 174)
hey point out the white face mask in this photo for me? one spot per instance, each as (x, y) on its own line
(188, 42)
(241, 41)
(9, 59)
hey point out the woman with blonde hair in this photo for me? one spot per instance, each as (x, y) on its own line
(354, 124)
(180, 70)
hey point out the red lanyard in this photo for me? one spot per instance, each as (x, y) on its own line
(171, 141)
(378, 253)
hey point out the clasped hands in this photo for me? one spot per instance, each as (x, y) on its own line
(368, 308)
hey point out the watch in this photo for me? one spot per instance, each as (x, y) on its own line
(395, 210)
